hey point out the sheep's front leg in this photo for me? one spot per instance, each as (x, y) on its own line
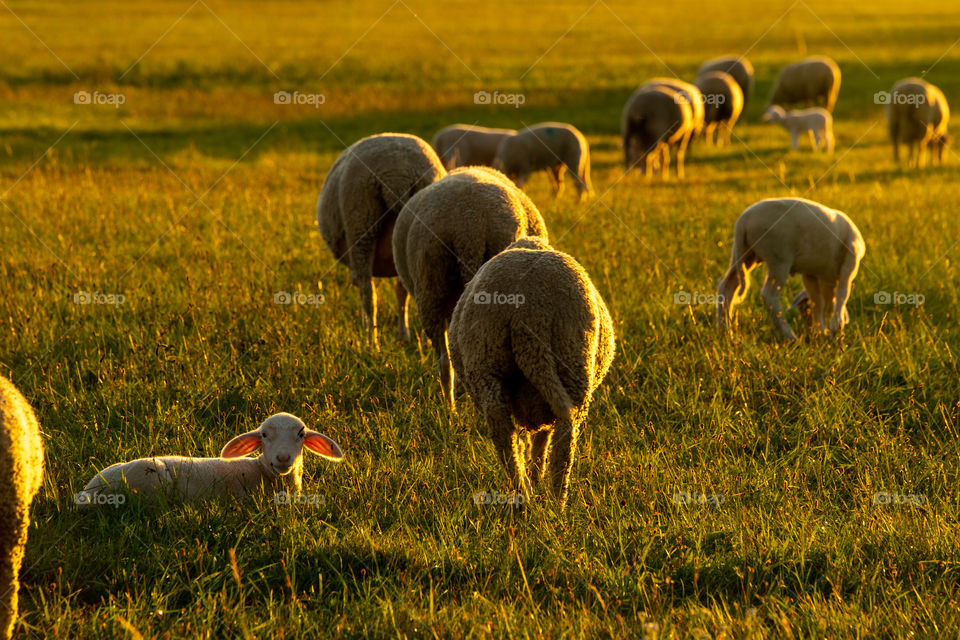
(556, 180)
(794, 140)
(772, 289)
(403, 330)
(563, 449)
(814, 139)
(538, 454)
(681, 157)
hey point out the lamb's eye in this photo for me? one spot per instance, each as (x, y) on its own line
(300, 435)
(263, 436)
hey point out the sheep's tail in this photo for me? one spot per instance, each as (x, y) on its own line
(538, 364)
(733, 287)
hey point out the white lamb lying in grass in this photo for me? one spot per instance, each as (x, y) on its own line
(278, 467)
(793, 235)
(816, 122)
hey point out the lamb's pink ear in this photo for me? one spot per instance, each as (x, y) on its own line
(242, 445)
(322, 445)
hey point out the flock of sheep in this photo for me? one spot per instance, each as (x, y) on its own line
(517, 323)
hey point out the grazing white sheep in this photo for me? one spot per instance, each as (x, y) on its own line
(816, 122)
(444, 235)
(805, 82)
(694, 97)
(463, 145)
(21, 474)
(918, 115)
(532, 339)
(722, 104)
(552, 146)
(793, 235)
(655, 119)
(278, 467)
(363, 194)
(738, 67)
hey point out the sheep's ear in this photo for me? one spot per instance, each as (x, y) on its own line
(322, 445)
(242, 445)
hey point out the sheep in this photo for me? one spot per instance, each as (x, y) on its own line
(445, 233)
(815, 121)
(553, 146)
(807, 81)
(722, 104)
(738, 67)
(917, 112)
(21, 474)
(531, 338)
(278, 467)
(694, 97)
(793, 235)
(654, 119)
(358, 205)
(462, 145)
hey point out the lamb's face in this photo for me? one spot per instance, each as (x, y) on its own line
(282, 436)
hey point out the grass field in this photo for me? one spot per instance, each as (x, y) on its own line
(194, 201)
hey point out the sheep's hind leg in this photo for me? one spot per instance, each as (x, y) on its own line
(13, 533)
(848, 272)
(403, 330)
(362, 277)
(772, 289)
(505, 438)
(563, 449)
(446, 370)
(540, 445)
(814, 315)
